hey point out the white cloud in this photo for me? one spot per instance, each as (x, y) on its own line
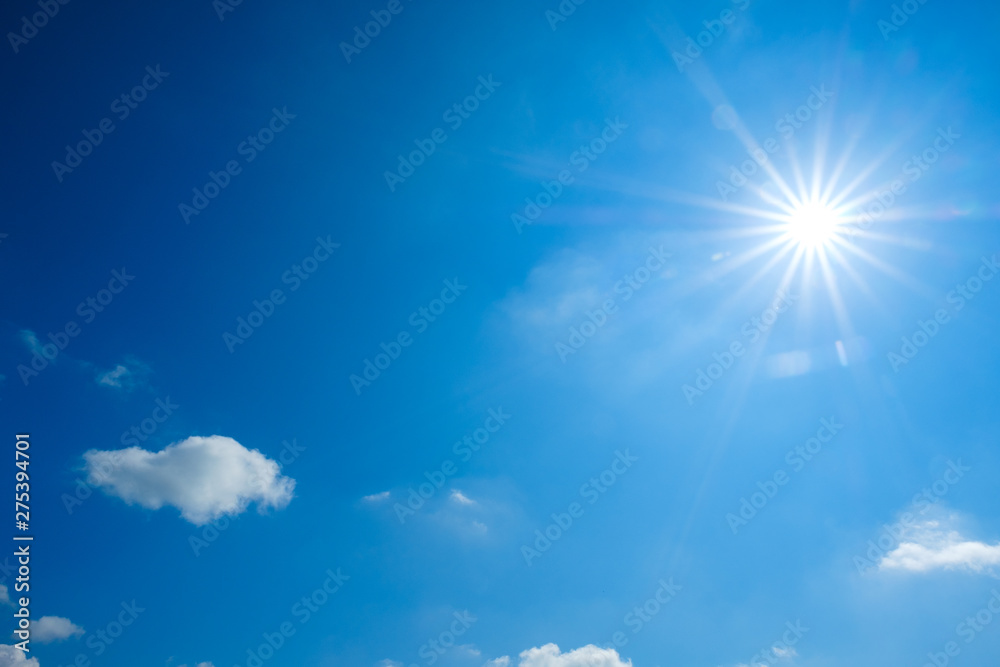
(4, 595)
(13, 657)
(125, 376)
(931, 545)
(550, 656)
(204, 477)
(376, 497)
(462, 499)
(54, 629)
(114, 378)
(389, 663)
(200, 664)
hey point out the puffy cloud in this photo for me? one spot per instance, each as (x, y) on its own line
(550, 656)
(54, 629)
(14, 657)
(376, 497)
(931, 545)
(204, 477)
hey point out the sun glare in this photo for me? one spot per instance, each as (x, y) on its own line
(813, 224)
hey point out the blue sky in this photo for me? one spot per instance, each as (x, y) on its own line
(470, 344)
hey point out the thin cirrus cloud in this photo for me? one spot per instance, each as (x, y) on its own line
(938, 545)
(54, 629)
(127, 376)
(549, 655)
(204, 477)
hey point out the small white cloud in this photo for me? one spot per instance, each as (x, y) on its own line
(462, 499)
(204, 477)
(14, 657)
(113, 378)
(786, 653)
(376, 497)
(931, 545)
(479, 527)
(54, 629)
(126, 376)
(4, 595)
(550, 656)
(389, 663)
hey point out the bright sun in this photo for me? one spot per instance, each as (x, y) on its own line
(813, 224)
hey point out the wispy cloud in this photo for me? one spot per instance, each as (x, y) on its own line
(460, 498)
(126, 376)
